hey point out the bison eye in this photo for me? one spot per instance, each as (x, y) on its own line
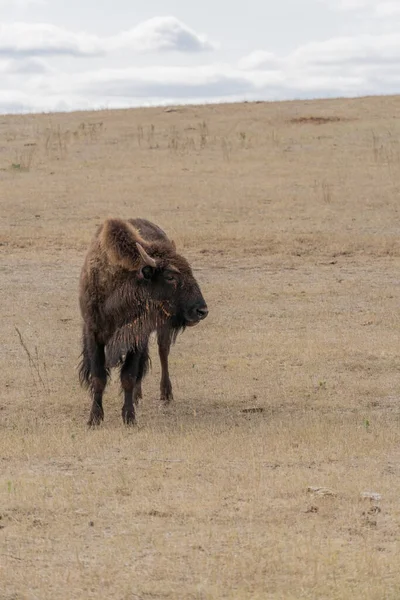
(147, 272)
(169, 277)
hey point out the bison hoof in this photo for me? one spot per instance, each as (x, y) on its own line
(128, 417)
(96, 417)
(166, 399)
(166, 395)
(138, 396)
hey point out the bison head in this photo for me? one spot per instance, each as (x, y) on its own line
(160, 274)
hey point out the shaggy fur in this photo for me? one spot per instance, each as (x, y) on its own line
(132, 283)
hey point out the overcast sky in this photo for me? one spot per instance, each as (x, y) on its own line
(74, 54)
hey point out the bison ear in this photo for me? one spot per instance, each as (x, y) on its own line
(173, 244)
(120, 241)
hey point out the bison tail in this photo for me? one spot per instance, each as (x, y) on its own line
(84, 373)
(84, 366)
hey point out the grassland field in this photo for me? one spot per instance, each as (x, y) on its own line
(250, 485)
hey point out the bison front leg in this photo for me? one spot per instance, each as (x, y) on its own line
(137, 393)
(143, 366)
(164, 345)
(98, 382)
(129, 376)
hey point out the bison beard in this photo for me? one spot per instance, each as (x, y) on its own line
(132, 283)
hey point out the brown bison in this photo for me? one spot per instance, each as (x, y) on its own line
(132, 283)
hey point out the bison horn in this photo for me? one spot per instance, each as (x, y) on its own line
(145, 257)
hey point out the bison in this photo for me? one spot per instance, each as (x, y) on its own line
(133, 282)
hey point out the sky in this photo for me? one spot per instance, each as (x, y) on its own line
(61, 55)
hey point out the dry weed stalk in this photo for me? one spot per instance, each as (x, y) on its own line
(23, 159)
(36, 366)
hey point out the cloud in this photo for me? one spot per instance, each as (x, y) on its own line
(29, 66)
(112, 88)
(155, 35)
(160, 82)
(351, 51)
(162, 33)
(339, 66)
(260, 59)
(42, 39)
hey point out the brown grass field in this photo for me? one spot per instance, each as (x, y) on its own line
(289, 214)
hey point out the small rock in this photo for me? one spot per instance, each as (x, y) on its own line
(372, 511)
(373, 496)
(253, 409)
(321, 491)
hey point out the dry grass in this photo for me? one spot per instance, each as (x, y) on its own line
(289, 215)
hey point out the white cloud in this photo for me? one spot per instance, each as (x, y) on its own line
(41, 39)
(160, 82)
(28, 66)
(161, 33)
(344, 59)
(155, 35)
(351, 51)
(260, 59)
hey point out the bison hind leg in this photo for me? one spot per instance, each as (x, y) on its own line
(93, 374)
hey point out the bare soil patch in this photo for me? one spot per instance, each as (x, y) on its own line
(316, 120)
